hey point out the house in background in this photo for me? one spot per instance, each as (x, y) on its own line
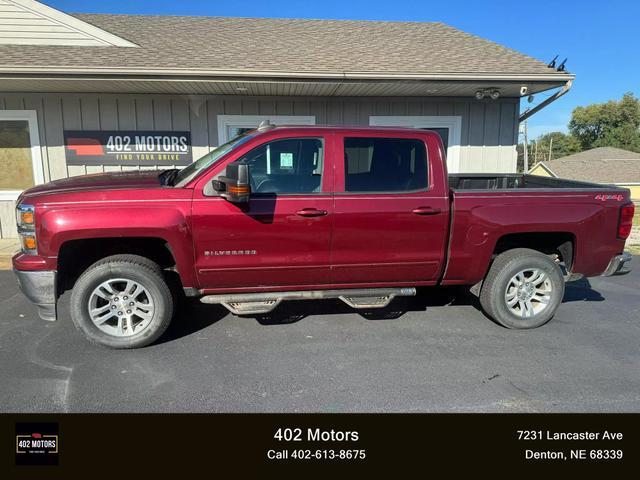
(600, 165)
(83, 94)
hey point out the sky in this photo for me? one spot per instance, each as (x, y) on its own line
(600, 38)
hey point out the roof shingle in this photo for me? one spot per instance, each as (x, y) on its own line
(600, 165)
(281, 45)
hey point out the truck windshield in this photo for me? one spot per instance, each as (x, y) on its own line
(189, 173)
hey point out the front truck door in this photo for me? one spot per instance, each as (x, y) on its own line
(391, 210)
(280, 240)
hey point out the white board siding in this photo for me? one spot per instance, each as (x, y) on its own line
(27, 22)
(488, 133)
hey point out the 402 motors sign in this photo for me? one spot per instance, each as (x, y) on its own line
(127, 148)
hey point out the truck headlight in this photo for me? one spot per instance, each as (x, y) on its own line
(26, 220)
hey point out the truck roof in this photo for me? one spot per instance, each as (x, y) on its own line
(343, 128)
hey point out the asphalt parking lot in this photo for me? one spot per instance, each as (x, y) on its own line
(432, 353)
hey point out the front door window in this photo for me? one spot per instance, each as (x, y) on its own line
(286, 166)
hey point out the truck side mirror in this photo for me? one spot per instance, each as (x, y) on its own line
(234, 186)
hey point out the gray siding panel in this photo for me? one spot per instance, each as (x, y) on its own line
(215, 107)
(127, 119)
(162, 114)
(108, 111)
(488, 134)
(265, 107)
(180, 114)
(144, 113)
(34, 102)
(199, 122)
(53, 128)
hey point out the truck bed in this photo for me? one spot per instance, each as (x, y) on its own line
(501, 181)
(486, 208)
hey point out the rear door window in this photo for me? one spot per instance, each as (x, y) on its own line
(385, 164)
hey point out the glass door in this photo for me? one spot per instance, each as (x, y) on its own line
(20, 158)
(15, 155)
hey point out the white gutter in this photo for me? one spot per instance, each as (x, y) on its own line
(552, 98)
(50, 70)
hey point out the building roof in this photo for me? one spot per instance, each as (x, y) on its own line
(600, 165)
(600, 153)
(277, 46)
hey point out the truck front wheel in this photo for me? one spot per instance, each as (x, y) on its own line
(122, 301)
(523, 289)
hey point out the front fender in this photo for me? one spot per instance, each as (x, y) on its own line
(59, 225)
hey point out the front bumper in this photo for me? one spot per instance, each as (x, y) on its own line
(40, 288)
(616, 265)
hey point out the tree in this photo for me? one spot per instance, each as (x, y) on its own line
(557, 143)
(562, 145)
(611, 124)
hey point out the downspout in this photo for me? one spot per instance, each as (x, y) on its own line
(551, 99)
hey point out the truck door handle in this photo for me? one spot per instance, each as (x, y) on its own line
(311, 212)
(426, 211)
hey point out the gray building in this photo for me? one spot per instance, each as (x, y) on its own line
(77, 90)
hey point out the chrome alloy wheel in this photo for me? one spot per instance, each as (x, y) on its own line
(528, 292)
(121, 307)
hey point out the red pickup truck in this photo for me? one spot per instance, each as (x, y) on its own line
(290, 213)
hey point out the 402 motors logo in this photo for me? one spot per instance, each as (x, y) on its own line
(37, 444)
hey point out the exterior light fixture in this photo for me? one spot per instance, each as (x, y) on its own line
(492, 93)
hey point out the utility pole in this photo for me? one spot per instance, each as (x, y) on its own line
(535, 155)
(550, 147)
(526, 148)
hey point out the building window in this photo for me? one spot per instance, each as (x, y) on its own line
(20, 156)
(448, 127)
(230, 126)
(384, 165)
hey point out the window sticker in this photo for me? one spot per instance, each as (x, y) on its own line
(286, 160)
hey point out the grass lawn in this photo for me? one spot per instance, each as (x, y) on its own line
(633, 244)
(632, 249)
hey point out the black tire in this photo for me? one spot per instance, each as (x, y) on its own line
(504, 268)
(139, 269)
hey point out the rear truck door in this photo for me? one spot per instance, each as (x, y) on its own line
(281, 238)
(391, 208)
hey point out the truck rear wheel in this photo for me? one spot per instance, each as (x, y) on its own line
(523, 289)
(122, 301)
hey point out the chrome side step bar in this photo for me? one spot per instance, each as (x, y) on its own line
(253, 303)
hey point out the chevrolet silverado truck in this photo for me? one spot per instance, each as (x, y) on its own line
(292, 213)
